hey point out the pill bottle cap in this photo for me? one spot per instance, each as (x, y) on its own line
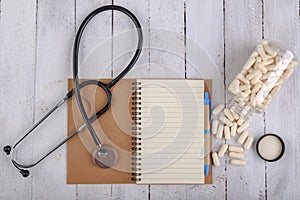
(270, 147)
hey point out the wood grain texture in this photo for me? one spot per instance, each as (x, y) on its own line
(124, 44)
(17, 72)
(125, 38)
(55, 32)
(36, 40)
(243, 31)
(96, 40)
(167, 50)
(281, 23)
(166, 39)
(205, 35)
(99, 30)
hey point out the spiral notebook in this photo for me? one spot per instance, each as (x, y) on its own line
(156, 127)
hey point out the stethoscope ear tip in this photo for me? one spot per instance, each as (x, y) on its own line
(25, 173)
(7, 149)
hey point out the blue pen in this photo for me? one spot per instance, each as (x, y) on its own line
(207, 145)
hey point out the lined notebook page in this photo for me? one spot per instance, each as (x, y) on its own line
(171, 127)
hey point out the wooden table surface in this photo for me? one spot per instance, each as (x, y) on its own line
(36, 43)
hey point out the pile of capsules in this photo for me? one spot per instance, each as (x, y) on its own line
(231, 124)
(259, 80)
(263, 74)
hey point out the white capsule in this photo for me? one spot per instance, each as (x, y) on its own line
(273, 77)
(266, 102)
(225, 120)
(256, 88)
(234, 86)
(294, 62)
(236, 149)
(245, 94)
(275, 90)
(261, 107)
(248, 143)
(243, 127)
(218, 109)
(266, 75)
(214, 128)
(242, 78)
(261, 67)
(220, 131)
(253, 74)
(247, 98)
(287, 73)
(237, 162)
(250, 62)
(271, 67)
(236, 155)
(227, 133)
(269, 50)
(269, 96)
(254, 54)
(264, 42)
(258, 59)
(250, 71)
(256, 79)
(222, 150)
(244, 87)
(243, 137)
(233, 129)
(235, 116)
(261, 52)
(228, 114)
(252, 99)
(240, 121)
(268, 62)
(216, 160)
(279, 82)
(242, 103)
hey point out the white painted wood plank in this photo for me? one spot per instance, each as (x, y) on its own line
(124, 45)
(135, 192)
(55, 33)
(167, 51)
(166, 21)
(243, 31)
(282, 24)
(95, 49)
(99, 30)
(17, 69)
(18, 35)
(204, 32)
(94, 192)
(125, 39)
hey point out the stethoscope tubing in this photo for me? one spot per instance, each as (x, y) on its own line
(68, 96)
(115, 80)
(76, 91)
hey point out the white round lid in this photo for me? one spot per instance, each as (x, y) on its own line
(270, 147)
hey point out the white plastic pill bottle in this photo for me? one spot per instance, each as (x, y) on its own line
(261, 78)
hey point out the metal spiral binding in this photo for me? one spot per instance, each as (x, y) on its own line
(136, 132)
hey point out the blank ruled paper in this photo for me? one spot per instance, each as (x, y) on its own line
(171, 131)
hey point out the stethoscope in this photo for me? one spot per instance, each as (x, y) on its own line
(104, 156)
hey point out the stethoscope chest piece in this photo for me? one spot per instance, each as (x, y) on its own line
(105, 157)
